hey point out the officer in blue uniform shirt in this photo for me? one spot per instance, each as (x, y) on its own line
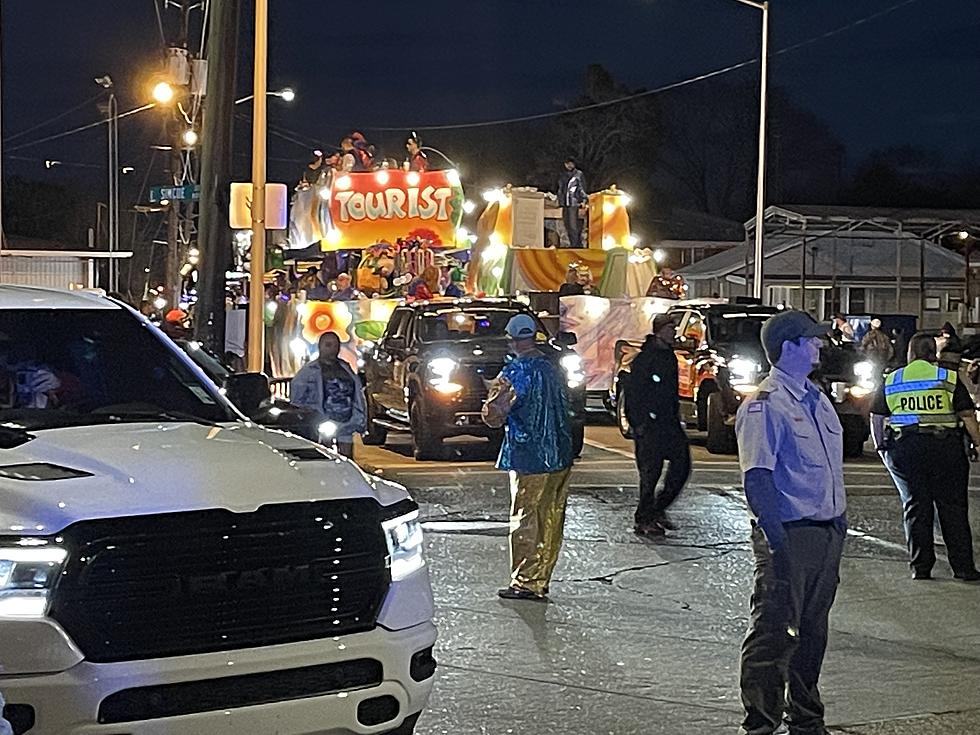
(790, 450)
(917, 421)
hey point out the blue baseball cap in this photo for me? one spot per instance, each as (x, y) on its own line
(787, 326)
(521, 326)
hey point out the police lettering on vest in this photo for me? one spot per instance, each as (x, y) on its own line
(921, 394)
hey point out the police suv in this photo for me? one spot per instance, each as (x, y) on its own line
(168, 567)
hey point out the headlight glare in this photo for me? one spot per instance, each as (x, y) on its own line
(441, 370)
(328, 429)
(404, 537)
(27, 575)
(574, 370)
(743, 371)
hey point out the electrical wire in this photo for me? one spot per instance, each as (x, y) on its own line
(82, 128)
(658, 90)
(57, 117)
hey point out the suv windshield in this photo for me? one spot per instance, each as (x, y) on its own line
(460, 324)
(737, 327)
(73, 367)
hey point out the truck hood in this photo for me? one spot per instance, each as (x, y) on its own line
(145, 468)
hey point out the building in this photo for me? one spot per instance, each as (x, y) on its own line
(856, 260)
(29, 261)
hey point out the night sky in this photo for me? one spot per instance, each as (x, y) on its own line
(911, 77)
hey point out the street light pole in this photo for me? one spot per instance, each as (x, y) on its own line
(256, 287)
(760, 195)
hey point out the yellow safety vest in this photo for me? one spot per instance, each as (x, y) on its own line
(921, 394)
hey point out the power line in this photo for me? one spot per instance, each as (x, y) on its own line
(82, 128)
(57, 117)
(658, 90)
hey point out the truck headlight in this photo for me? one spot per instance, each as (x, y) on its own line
(744, 372)
(27, 575)
(404, 537)
(441, 370)
(327, 429)
(574, 372)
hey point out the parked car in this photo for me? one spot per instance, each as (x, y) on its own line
(720, 362)
(251, 394)
(166, 566)
(428, 375)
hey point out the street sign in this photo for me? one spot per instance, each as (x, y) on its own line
(190, 192)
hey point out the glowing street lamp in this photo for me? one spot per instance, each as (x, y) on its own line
(163, 93)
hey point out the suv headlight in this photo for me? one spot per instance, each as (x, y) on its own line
(441, 371)
(864, 378)
(574, 370)
(744, 372)
(28, 571)
(404, 537)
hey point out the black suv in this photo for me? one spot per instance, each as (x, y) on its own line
(720, 362)
(428, 375)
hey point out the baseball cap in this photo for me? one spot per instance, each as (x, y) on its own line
(521, 326)
(660, 321)
(787, 326)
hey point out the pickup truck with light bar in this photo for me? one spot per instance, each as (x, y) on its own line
(167, 566)
(720, 363)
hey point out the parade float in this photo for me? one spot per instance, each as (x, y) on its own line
(394, 222)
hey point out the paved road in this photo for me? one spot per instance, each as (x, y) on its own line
(642, 636)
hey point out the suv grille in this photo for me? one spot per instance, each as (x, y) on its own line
(474, 391)
(184, 583)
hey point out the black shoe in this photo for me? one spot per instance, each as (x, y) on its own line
(921, 574)
(516, 593)
(971, 575)
(649, 528)
(664, 522)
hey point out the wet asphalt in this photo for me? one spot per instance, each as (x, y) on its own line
(642, 636)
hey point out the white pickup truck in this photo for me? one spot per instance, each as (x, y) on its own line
(167, 567)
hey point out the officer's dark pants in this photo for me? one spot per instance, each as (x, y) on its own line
(573, 227)
(932, 474)
(654, 447)
(788, 629)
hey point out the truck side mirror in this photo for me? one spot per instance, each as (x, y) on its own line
(248, 391)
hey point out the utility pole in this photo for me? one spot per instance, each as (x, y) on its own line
(256, 287)
(214, 237)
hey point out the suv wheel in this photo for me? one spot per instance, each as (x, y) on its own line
(424, 445)
(578, 439)
(721, 437)
(621, 421)
(374, 435)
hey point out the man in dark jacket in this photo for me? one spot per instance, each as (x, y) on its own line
(652, 408)
(571, 196)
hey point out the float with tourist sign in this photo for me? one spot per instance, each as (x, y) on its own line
(353, 211)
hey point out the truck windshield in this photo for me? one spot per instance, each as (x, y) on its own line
(74, 367)
(737, 327)
(456, 324)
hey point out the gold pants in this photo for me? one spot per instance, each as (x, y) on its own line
(537, 520)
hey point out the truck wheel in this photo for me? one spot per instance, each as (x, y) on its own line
(374, 435)
(578, 439)
(621, 421)
(721, 438)
(424, 445)
(855, 434)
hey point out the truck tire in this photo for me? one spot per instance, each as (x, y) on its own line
(578, 439)
(721, 438)
(374, 435)
(621, 421)
(424, 446)
(855, 434)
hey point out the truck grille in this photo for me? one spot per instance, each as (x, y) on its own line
(185, 583)
(474, 392)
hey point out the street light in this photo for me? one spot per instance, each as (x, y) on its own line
(190, 137)
(286, 94)
(163, 93)
(760, 186)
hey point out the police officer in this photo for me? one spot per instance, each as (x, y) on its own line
(653, 411)
(790, 450)
(916, 422)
